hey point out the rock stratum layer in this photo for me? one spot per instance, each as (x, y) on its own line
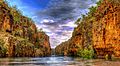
(19, 36)
(99, 31)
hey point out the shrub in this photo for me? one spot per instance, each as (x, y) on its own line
(85, 53)
(3, 50)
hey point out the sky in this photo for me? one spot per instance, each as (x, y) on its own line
(55, 17)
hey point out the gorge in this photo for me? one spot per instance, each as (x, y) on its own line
(19, 35)
(97, 34)
(95, 39)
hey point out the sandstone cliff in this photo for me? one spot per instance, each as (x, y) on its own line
(106, 28)
(99, 31)
(20, 34)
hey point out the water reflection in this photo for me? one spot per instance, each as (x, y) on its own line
(43, 61)
(51, 61)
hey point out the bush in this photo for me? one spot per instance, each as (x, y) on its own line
(85, 53)
(2, 42)
(3, 50)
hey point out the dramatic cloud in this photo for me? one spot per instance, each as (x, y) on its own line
(61, 15)
(56, 17)
(65, 9)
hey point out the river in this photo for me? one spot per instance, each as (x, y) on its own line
(55, 61)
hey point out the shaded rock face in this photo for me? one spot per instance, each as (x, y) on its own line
(8, 23)
(100, 32)
(42, 42)
(15, 46)
(19, 35)
(81, 39)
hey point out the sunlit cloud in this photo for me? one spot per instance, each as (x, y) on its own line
(55, 17)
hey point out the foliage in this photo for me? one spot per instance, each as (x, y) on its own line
(83, 16)
(37, 45)
(40, 30)
(114, 1)
(23, 27)
(99, 2)
(3, 50)
(1, 42)
(16, 13)
(78, 21)
(108, 57)
(23, 45)
(92, 10)
(86, 53)
(84, 25)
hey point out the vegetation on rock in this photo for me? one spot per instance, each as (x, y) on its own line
(19, 35)
(99, 29)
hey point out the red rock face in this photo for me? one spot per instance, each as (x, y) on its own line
(81, 39)
(44, 42)
(101, 32)
(106, 31)
(13, 22)
(6, 21)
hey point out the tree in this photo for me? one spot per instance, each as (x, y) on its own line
(99, 2)
(40, 30)
(92, 10)
(78, 21)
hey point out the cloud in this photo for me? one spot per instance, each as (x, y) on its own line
(69, 24)
(57, 19)
(58, 31)
(47, 21)
(65, 9)
(56, 38)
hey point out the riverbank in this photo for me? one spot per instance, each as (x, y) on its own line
(107, 63)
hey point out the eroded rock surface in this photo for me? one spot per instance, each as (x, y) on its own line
(19, 36)
(99, 31)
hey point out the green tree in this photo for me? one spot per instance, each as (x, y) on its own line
(92, 10)
(16, 14)
(40, 30)
(86, 53)
(99, 2)
(78, 21)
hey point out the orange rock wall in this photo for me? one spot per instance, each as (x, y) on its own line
(101, 32)
(106, 29)
(14, 23)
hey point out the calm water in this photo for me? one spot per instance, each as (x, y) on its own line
(46, 61)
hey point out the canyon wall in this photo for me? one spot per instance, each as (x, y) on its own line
(99, 31)
(106, 28)
(19, 35)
